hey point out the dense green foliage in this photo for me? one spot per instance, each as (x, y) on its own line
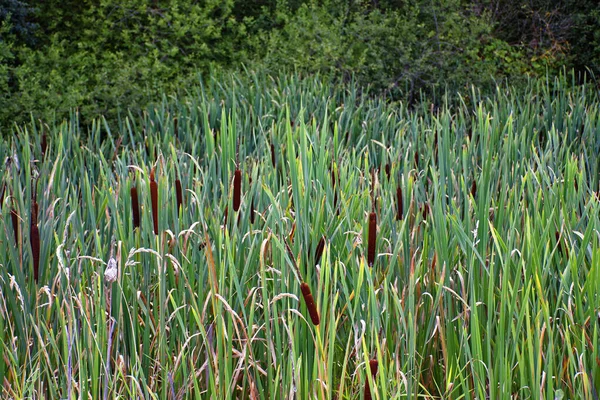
(104, 57)
(484, 284)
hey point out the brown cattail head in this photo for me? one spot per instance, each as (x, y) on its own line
(135, 207)
(273, 156)
(399, 203)
(154, 200)
(237, 189)
(310, 303)
(372, 240)
(175, 125)
(319, 250)
(373, 366)
(15, 223)
(252, 211)
(474, 188)
(178, 193)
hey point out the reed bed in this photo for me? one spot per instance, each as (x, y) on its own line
(471, 272)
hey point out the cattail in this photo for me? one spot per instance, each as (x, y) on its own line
(372, 239)
(154, 200)
(15, 223)
(273, 155)
(319, 250)
(226, 214)
(310, 303)
(252, 211)
(135, 207)
(34, 239)
(400, 204)
(373, 366)
(178, 193)
(387, 171)
(175, 125)
(417, 159)
(474, 188)
(237, 189)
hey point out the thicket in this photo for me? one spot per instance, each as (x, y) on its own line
(102, 57)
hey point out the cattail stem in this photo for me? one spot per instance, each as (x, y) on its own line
(237, 189)
(373, 366)
(319, 250)
(310, 303)
(372, 239)
(135, 207)
(154, 200)
(399, 203)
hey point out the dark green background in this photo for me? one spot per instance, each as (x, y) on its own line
(102, 57)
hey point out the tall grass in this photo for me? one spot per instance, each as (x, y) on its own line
(476, 290)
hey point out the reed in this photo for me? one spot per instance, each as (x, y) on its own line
(372, 239)
(310, 303)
